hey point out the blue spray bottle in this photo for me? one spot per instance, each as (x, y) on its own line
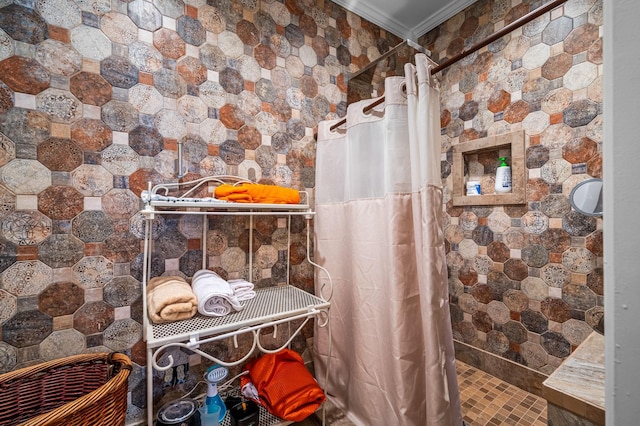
(214, 375)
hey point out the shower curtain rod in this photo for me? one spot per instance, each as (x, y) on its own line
(525, 19)
(392, 51)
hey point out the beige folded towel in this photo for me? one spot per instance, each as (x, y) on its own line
(170, 299)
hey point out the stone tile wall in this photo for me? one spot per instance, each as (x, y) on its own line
(95, 98)
(526, 282)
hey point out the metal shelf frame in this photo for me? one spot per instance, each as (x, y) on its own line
(271, 307)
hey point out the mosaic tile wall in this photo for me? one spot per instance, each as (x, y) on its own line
(526, 281)
(95, 97)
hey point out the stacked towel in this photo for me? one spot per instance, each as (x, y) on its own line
(146, 197)
(242, 289)
(170, 299)
(215, 295)
(257, 193)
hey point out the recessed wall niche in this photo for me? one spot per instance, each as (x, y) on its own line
(478, 160)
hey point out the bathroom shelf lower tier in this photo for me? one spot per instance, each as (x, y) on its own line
(270, 304)
(265, 417)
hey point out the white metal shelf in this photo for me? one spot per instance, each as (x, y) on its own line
(270, 304)
(228, 206)
(271, 307)
(266, 418)
(158, 197)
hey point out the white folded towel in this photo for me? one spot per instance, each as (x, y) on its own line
(146, 197)
(215, 295)
(242, 289)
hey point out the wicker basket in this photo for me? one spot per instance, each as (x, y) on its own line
(87, 390)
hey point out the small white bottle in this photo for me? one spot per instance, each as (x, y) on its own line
(503, 177)
(473, 187)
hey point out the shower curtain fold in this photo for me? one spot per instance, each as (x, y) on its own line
(379, 232)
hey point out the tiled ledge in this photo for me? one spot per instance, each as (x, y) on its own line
(508, 371)
(577, 385)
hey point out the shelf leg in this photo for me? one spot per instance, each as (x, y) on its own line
(149, 387)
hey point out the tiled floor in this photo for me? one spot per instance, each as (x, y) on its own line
(489, 401)
(485, 401)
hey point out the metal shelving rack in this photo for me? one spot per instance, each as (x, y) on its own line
(271, 306)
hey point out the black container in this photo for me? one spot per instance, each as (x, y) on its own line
(182, 412)
(232, 401)
(245, 415)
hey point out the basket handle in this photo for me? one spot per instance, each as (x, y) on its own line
(118, 361)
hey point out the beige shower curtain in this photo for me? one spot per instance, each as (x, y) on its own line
(379, 233)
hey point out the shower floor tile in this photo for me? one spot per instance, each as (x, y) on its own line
(485, 400)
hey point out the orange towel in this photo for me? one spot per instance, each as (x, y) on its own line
(284, 385)
(257, 193)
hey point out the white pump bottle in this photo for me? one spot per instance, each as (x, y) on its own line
(503, 177)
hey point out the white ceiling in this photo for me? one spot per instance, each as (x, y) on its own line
(407, 19)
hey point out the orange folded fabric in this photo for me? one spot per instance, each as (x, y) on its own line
(257, 193)
(285, 386)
